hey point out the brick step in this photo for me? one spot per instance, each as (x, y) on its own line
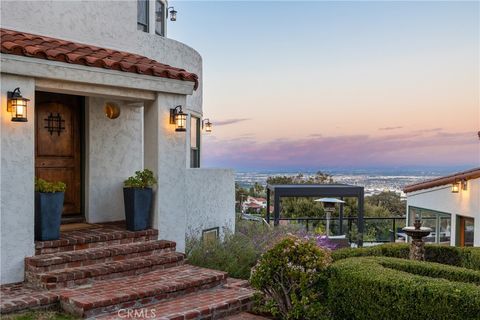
(104, 297)
(71, 277)
(101, 236)
(78, 258)
(216, 303)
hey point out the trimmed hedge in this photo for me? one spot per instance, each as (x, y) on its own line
(381, 288)
(461, 257)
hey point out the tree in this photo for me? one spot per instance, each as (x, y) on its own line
(389, 200)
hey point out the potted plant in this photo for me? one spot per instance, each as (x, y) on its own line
(48, 209)
(138, 195)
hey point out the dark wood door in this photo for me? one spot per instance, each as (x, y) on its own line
(58, 144)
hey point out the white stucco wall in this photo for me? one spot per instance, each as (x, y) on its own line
(110, 24)
(165, 155)
(465, 203)
(114, 151)
(17, 182)
(210, 200)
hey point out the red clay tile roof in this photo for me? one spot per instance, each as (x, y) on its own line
(41, 47)
(456, 177)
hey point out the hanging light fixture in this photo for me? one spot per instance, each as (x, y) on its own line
(17, 105)
(455, 187)
(179, 119)
(207, 125)
(464, 185)
(173, 14)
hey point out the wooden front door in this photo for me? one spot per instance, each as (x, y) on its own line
(58, 145)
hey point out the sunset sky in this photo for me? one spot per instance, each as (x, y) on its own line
(337, 84)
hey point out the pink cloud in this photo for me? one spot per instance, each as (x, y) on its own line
(431, 148)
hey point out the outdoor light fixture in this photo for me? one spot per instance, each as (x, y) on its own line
(207, 125)
(179, 119)
(173, 14)
(464, 184)
(329, 207)
(17, 105)
(455, 187)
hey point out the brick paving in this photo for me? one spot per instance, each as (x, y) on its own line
(105, 235)
(215, 303)
(71, 277)
(16, 297)
(98, 272)
(136, 291)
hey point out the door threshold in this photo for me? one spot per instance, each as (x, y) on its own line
(73, 219)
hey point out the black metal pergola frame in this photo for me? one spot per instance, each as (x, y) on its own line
(316, 190)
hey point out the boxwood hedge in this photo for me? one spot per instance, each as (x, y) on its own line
(455, 256)
(392, 288)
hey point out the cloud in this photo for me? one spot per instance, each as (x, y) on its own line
(406, 149)
(230, 121)
(390, 128)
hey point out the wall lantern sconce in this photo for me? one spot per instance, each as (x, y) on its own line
(17, 105)
(464, 185)
(173, 14)
(179, 119)
(207, 125)
(455, 187)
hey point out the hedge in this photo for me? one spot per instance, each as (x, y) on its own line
(381, 288)
(468, 257)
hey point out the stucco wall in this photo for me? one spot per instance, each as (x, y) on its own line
(210, 200)
(17, 182)
(165, 155)
(114, 151)
(110, 24)
(464, 203)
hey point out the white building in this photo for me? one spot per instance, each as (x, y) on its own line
(101, 72)
(450, 205)
(254, 204)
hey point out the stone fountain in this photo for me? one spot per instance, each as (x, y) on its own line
(417, 247)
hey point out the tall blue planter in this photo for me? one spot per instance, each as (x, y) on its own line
(138, 203)
(48, 215)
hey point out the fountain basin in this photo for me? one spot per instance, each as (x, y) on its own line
(417, 233)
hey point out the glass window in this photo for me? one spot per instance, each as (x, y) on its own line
(159, 18)
(440, 223)
(194, 142)
(142, 15)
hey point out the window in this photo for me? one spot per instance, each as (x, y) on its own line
(142, 15)
(440, 223)
(159, 18)
(194, 142)
(210, 235)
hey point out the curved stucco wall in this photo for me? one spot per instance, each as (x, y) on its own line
(109, 24)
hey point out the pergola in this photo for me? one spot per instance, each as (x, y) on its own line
(316, 190)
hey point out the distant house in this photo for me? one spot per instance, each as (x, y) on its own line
(102, 78)
(450, 205)
(255, 204)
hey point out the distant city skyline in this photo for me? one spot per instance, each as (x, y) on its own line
(337, 84)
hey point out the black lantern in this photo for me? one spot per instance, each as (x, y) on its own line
(17, 105)
(207, 125)
(173, 14)
(179, 119)
(464, 185)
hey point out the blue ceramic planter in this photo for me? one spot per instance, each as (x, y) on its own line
(138, 203)
(48, 215)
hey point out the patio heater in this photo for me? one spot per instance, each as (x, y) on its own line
(329, 207)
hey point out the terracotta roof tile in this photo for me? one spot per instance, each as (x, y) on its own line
(41, 47)
(456, 177)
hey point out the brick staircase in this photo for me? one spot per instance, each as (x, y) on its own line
(111, 273)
